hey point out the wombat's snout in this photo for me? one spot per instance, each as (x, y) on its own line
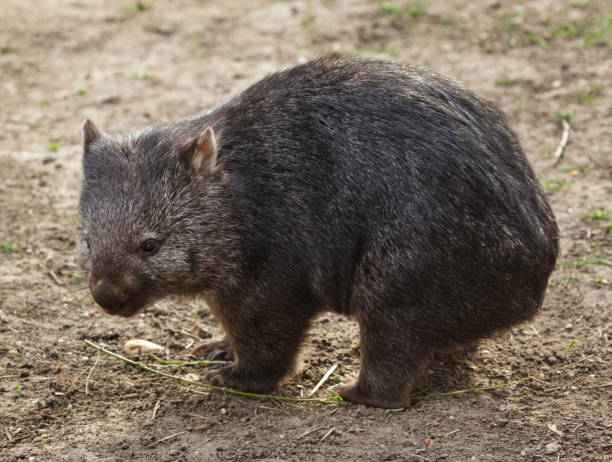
(105, 296)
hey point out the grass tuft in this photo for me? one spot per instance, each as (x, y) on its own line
(597, 215)
(504, 81)
(412, 10)
(589, 95)
(7, 247)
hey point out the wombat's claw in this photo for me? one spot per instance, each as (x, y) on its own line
(214, 378)
(223, 355)
(218, 377)
(214, 349)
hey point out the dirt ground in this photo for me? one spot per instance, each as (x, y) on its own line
(126, 65)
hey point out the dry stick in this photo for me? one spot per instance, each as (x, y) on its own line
(576, 427)
(8, 435)
(198, 392)
(74, 380)
(604, 385)
(90, 371)
(167, 438)
(155, 410)
(562, 143)
(261, 406)
(205, 385)
(322, 381)
(309, 432)
(333, 429)
(189, 334)
(55, 278)
(576, 362)
(44, 414)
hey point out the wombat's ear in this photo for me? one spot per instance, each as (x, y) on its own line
(90, 132)
(200, 154)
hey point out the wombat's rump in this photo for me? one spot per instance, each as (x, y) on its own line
(377, 190)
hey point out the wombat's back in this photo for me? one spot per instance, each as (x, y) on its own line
(354, 171)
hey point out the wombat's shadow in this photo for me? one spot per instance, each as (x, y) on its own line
(447, 372)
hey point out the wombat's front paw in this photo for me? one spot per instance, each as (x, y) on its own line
(230, 376)
(353, 392)
(215, 349)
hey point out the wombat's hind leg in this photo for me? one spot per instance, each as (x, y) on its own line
(215, 349)
(391, 362)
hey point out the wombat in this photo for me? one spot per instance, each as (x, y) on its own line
(376, 190)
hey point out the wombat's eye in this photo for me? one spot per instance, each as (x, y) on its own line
(149, 247)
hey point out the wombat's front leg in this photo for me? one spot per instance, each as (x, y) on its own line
(265, 340)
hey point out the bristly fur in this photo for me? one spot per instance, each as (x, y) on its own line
(377, 190)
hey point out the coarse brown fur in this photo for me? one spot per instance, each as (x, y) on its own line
(376, 190)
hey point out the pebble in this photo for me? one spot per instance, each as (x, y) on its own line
(552, 448)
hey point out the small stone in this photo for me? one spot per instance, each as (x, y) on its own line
(552, 448)
(223, 411)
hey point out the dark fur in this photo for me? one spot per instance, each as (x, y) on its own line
(377, 190)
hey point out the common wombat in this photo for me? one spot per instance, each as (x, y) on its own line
(377, 190)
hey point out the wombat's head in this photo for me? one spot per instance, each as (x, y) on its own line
(148, 214)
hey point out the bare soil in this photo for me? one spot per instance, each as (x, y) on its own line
(126, 65)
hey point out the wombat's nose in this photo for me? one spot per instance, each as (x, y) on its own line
(105, 296)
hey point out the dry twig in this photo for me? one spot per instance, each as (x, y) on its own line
(333, 429)
(562, 143)
(323, 379)
(90, 371)
(55, 278)
(155, 410)
(310, 432)
(167, 438)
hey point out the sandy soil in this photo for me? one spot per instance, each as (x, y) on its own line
(125, 66)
